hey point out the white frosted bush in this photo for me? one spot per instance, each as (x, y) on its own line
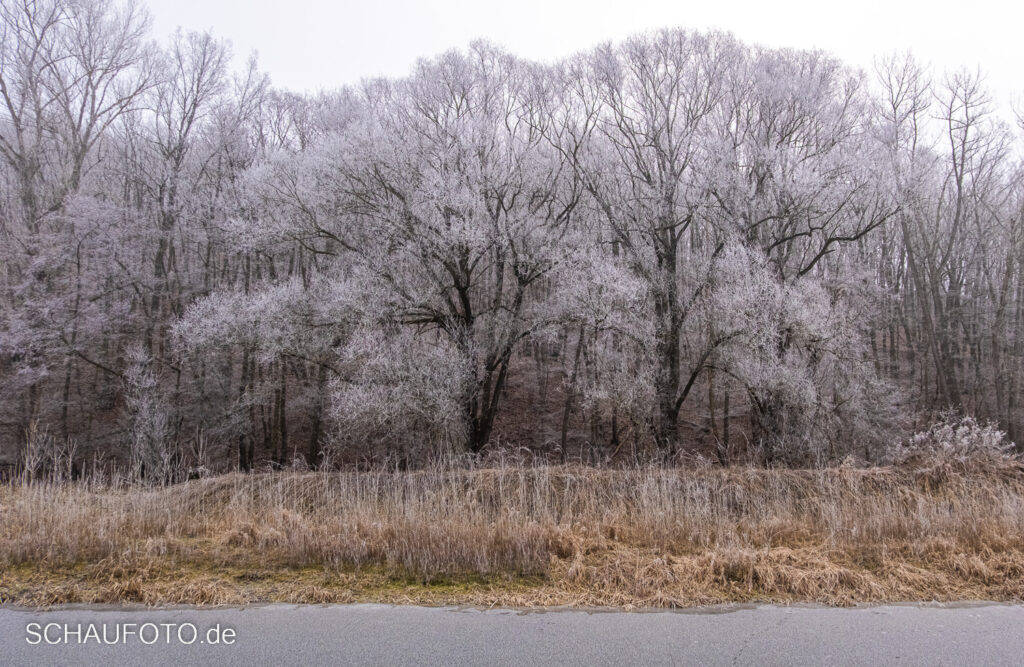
(956, 439)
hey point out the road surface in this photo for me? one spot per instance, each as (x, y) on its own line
(384, 635)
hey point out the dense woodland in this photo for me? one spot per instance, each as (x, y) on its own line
(676, 245)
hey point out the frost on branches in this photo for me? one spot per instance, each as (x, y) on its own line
(677, 245)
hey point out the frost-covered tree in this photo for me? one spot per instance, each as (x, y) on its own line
(452, 207)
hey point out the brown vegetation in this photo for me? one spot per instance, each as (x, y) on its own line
(520, 535)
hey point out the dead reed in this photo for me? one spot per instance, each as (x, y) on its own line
(652, 536)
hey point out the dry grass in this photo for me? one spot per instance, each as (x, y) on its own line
(523, 536)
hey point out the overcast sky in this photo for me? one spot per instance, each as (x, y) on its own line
(308, 45)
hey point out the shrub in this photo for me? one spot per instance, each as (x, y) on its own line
(958, 440)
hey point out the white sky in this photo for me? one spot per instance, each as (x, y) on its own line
(308, 45)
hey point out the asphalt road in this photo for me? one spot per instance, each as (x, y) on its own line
(383, 635)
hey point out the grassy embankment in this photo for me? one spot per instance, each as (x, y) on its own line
(522, 536)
